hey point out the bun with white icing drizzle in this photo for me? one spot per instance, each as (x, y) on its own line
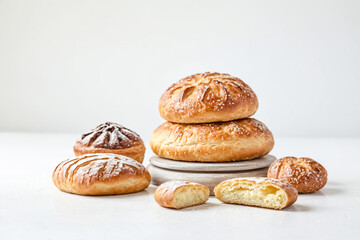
(208, 97)
(181, 194)
(305, 174)
(212, 142)
(111, 138)
(257, 191)
(101, 174)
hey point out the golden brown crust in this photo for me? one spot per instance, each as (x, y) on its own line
(214, 142)
(208, 97)
(305, 174)
(135, 152)
(101, 174)
(164, 194)
(111, 138)
(290, 191)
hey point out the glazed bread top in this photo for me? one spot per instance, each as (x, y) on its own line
(208, 97)
(305, 174)
(110, 135)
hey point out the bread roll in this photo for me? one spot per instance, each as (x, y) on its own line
(208, 97)
(111, 138)
(101, 174)
(214, 142)
(305, 174)
(181, 194)
(260, 192)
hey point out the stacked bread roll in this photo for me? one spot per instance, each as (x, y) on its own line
(208, 121)
(108, 161)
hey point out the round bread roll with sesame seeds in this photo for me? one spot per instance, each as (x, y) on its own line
(305, 174)
(212, 142)
(208, 97)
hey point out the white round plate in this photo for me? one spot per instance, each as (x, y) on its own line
(257, 163)
(210, 180)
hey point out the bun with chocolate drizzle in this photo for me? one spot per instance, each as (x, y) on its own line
(111, 138)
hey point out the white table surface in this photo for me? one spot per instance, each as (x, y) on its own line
(32, 208)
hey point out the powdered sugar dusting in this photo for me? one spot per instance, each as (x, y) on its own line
(259, 180)
(109, 135)
(101, 166)
(175, 184)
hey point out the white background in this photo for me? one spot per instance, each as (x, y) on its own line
(66, 66)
